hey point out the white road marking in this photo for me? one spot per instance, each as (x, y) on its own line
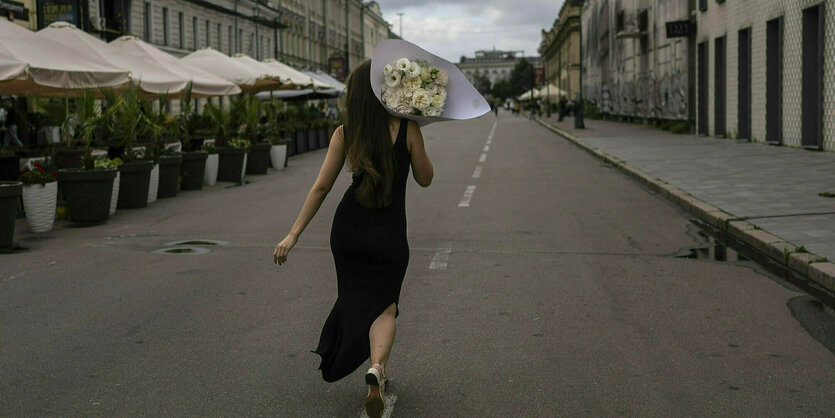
(441, 258)
(482, 158)
(477, 172)
(390, 400)
(465, 200)
(489, 141)
(493, 129)
(486, 148)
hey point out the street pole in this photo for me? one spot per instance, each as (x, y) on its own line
(401, 24)
(548, 99)
(578, 114)
(533, 104)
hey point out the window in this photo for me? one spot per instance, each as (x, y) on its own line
(813, 77)
(194, 33)
(219, 36)
(208, 34)
(703, 5)
(165, 39)
(147, 22)
(181, 30)
(229, 40)
(251, 44)
(268, 52)
(238, 41)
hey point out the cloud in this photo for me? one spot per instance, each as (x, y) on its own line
(452, 28)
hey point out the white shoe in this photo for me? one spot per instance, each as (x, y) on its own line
(375, 402)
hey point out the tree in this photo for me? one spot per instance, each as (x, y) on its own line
(521, 77)
(481, 83)
(502, 89)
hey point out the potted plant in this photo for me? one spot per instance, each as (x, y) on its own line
(193, 167)
(244, 144)
(57, 112)
(9, 194)
(323, 133)
(9, 165)
(230, 157)
(210, 176)
(111, 164)
(40, 197)
(275, 134)
(88, 190)
(258, 153)
(167, 161)
(135, 174)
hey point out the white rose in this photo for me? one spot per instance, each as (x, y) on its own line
(394, 96)
(413, 70)
(425, 75)
(388, 69)
(393, 79)
(432, 89)
(402, 64)
(432, 111)
(437, 101)
(421, 99)
(441, 78)
(411, 84)
(403, 104)
(441, 92)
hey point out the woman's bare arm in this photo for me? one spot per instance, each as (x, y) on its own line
(331, 167)
(422, 169)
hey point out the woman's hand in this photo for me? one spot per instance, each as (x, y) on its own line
(283, 248)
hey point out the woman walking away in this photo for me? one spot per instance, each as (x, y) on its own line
(368, 235)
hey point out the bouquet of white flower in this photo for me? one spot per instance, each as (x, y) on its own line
(414, 87)
(422, 87)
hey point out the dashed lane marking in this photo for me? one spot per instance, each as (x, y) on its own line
(477, 172)
(390, 400)
(441, 258)
(482, 158)
(468, 194)
(486, 148)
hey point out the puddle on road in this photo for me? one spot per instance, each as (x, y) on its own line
(183, 250)
(709, 249)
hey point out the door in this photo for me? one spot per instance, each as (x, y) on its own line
(774, 81)
(703, 119)
(719, 87)
(744, 86)
(812, 88)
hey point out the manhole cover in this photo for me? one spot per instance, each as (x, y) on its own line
(196, 243)
(183, 250)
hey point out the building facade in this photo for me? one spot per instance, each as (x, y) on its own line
(327, 35)
(766, 71)
(560, 51)
(21, 12)
(631, 68)
(494, 64)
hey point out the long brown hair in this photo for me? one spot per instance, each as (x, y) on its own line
(368, 140)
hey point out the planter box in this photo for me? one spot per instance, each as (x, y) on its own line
(87, 192)
(210, 177)
(192, 170)
(291, 145)
(230, 164)
(301, 142)
(169, 176)
(9, 167)
(68, 158)
(39, 203)
(9, 195)
(258, 158)
(323, 137)
(153, 184)
(312, 139)
(114, 197)
(278, 156)
(134, 184)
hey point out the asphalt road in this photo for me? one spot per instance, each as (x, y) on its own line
(548, 289)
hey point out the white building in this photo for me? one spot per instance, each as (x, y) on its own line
(766, 71)
(494, 64)
(631, 68)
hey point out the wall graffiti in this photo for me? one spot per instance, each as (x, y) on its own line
(663, 97)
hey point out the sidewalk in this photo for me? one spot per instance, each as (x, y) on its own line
(763, 195)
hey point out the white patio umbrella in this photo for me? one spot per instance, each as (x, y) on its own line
(204, 84)
(296, 77)
(53, 69)
(12, 69)
(528, 95)
(287, 82)
(152, 78)
(248, 77)
(334, 88)
(327, 78)
(551, 92)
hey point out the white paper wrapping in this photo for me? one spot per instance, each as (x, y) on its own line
(463, 100)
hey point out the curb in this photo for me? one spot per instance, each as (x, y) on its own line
(775, 248)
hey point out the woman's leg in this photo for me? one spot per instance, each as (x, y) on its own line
(381, 335)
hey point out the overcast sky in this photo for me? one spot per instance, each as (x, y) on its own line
(452, 28)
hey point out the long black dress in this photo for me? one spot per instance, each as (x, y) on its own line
(371, 254)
